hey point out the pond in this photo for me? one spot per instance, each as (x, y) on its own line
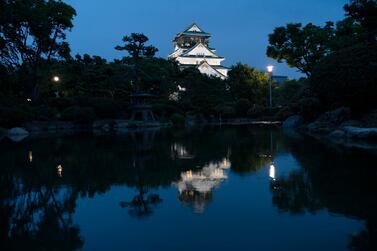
(235, 188)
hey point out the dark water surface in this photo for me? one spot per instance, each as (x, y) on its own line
(209, 189)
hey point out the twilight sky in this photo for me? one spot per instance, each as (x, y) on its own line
(239, 28)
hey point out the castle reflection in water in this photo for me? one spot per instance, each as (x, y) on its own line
(196, 187)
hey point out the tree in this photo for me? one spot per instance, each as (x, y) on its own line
(300, 46)
(364, 12)
(248, 83)
(348, 33)
(33, 32)
(135, 46)
(348, 78)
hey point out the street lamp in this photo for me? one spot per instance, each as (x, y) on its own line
(56, 79)
(270, 70)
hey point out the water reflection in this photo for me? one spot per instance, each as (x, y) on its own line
(195, 187)
(178, 151)
(337, 179)
(272, 172)
(59, 171)
(39, 189)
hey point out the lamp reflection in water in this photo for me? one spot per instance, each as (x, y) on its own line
(272, 172)
(195, 187)
(59, 171)
(180, 152)
(30, 156)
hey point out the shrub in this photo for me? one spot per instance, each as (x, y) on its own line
(348, 78)
(256, 111)
(43, 112)
(13, 116)
(79, 114)
(226, 110)
(106, 108)
(242, 106)
(61, 103)
(310, 108)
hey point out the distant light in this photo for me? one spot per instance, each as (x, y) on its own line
(270, 68)
(28, 99)
(56, 79)
(59, 170)
(272, 172)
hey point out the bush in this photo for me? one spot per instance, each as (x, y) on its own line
(107, 108)
(348, 78)
(61, 103)
(226, 110)
(43, 113)
(13, 116)
(285, 93)
(178, 120)
(310, 108)
(242, 107)
(283, 113)
(79, 114)
(256, 111)
(166, 108)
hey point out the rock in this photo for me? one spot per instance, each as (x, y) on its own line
(121, 124)
(335, 117)
(354, 123)
(17, 131)
(102, 125)
(293, 122)
(360, 133)
(320, 127)
(328, 121)
(50, 126)
(17, 134)
(337, 134)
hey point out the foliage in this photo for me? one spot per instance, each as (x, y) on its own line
(242, 106)
(34, 29)
(78, 114)
(248, 83)
(203, 94)
(365, 13)
(300, 46)
(12, 116)
(32, 33)
(348, 78)
(135, 46)
(285, 92)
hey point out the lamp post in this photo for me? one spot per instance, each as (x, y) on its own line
(270, 70)
(56, 80)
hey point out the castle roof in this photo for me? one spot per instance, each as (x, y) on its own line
(201, 49)
(213, 70)
(194, 30)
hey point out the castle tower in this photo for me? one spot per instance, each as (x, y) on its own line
(191, 49)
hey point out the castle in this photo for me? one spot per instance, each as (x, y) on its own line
(191, 49)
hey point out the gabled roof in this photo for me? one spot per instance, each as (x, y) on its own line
(209, 53)
(194, 30)
(205, 64)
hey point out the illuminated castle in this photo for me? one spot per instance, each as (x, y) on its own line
(191, 49)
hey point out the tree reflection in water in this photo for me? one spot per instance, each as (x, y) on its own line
(342, 181)
(37, 206)
(36, 215)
